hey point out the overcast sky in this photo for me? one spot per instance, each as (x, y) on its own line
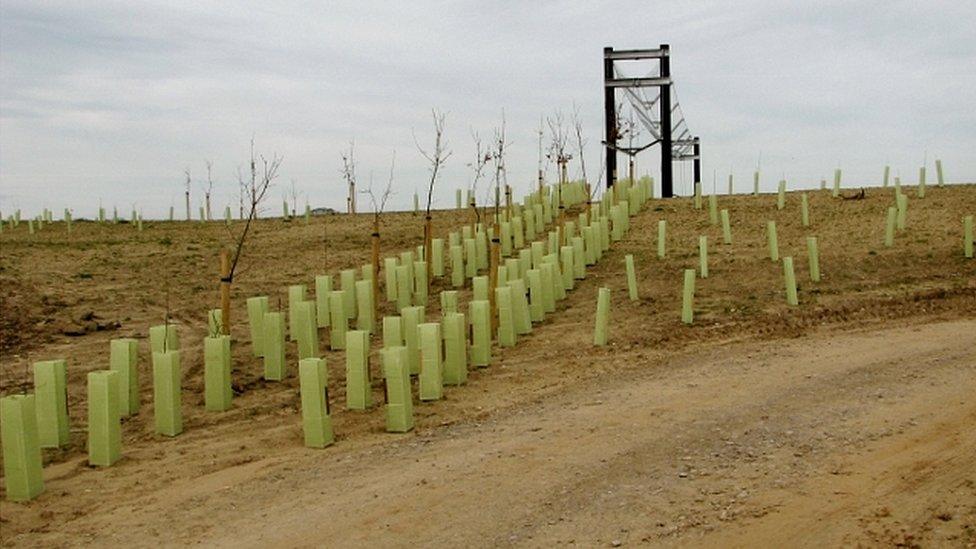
(112, 100)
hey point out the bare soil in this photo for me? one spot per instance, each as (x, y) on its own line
(847, 420)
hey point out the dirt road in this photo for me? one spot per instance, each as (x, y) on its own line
(830, 439)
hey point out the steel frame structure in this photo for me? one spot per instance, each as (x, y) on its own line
(676, 140)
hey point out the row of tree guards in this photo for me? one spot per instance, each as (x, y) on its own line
(437, 353)
(505, 304)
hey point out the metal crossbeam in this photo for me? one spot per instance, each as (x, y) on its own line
(633, 55)
(636, 82)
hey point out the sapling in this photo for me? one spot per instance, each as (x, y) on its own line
(209, 189)
(260, 182)
(436, 157)
(349, 175)
(482, 157)
(558, 145)
(379, 204)
(186, 172)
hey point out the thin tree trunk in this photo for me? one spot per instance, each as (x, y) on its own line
(376, 268)
(224, 292)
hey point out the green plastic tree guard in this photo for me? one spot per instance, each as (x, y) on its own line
(506, 317)
(726, 227)
(505, 232)
(772, 240)
(502, 277)
(591, 243)
(890, 227)
(470, 258)
(558, 282)
(51, 403)
(938, 172)
(804, 210)
(217, 392)
(314, 388)
(457, 266)
(520, 307)
(123, 358)
(698, 195)
(390, 274)
(537, 250)
(481, 246)
(688, 297)
(167, 399)
(399, 404)
(617, 229)
(887, 172)
(662, 229)
(431, 368)
(307, 334)
(479, 288)
(755, 183)
(781, 195)
(512, 268)
(257, 307)
(104, 421)
(412, 318)
(921, 182)
(323, 289)
(480, 313)
(569, 231)
(602, 316)
(703, 255)
(404, 291)
(364, 304)
(164, 338)
(449, 301)
(568, 267)
(347, 284)
(790, 279)
(22, 466)
(713, 209)
(902, 218)
(392, 332)
(550, 281)
(518, 232)
(339, 322)
(274, 346)
(536, 299)
(730, 186)
(359, 395)
(420, 282)
(836, 191)
(296, 295)
(453, 328)
(814, 255)
(967, 236)
(579, 258)
(631, 277)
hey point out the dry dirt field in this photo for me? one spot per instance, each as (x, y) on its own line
(848, 420)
